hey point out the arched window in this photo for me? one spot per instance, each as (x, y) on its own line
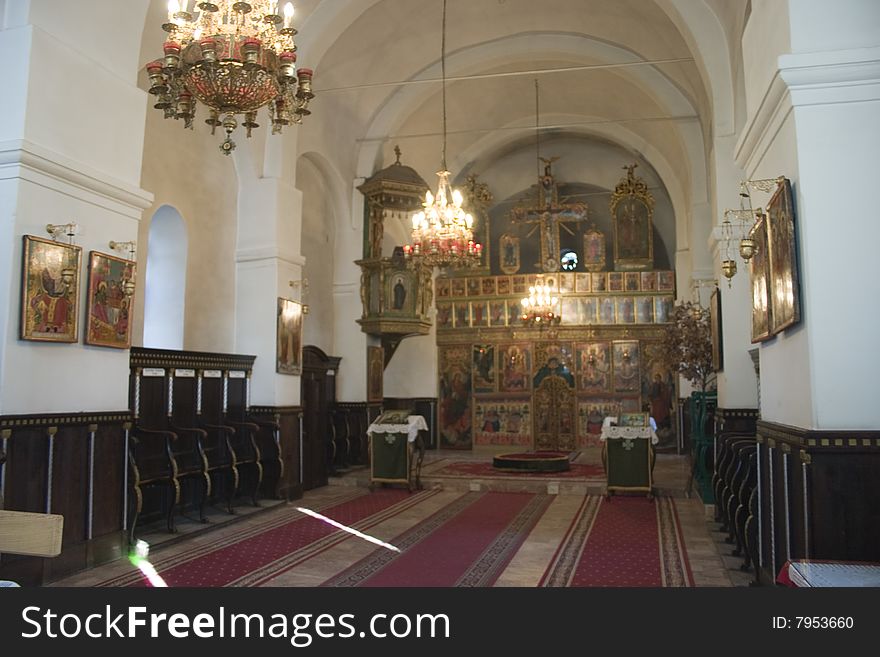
(166, 280)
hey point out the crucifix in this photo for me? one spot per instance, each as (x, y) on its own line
(547, 215)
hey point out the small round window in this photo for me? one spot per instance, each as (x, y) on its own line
(569, 260)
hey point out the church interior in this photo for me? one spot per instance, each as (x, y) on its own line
(533, 292)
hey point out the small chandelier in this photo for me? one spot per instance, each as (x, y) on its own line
(233, 57)
(442, 233)
(540, 308)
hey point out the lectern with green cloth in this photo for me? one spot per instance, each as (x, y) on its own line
(628, 457)
(393, 437)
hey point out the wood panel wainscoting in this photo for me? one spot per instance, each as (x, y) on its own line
(280, 426)
(819, 495)
(736, 420)
(72, 464)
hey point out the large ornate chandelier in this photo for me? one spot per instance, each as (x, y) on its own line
(442, 234)
(233, 57)
(540, 308)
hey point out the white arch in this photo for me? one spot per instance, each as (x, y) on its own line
(502, 51)
(702, 32)
(614, 133)
(165, 289)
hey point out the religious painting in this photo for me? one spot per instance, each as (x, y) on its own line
(762, 308)
(497, 313)
(515, 366)
(508, 254)
(632, 211)
(444, 315)
(399, 291)
(649, 281)
(639, 420)
(375, 371)
(606, 310)
(553, 359)
(715, 326)
(50, 290)
(503, 285)
(488, 286)
(666, 281)
(783, 267)
(462, 314)
(442, 288)
(658, 387)
(615, 281)
(108, 309)
(594, 367)
(662, 310)
(479, 313)
(594, 249)
(454, 405)
(288, 354)
(631, 283)
(626, 366)
(458, 286)
(473, 287)
(644, 310)
(599, 282)
(582, 283)
(591, 417)
(570, 311)
(519, 284)
(502, 423)
(514, 312)
(589, 310)
(566, 283)
(484, 368)
(626, 311)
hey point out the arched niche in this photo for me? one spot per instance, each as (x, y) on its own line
(165, 291)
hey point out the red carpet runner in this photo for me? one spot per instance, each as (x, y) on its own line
(486, 471)
(276, 545)
(467, 543)
(628, 541)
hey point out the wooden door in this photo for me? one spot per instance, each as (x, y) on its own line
(554, 423)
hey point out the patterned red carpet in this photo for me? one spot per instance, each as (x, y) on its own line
(472, 469)
(456, 539)
(627, 541)
(276, 545)
(467, 543)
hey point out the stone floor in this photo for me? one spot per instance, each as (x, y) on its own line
(708, 554)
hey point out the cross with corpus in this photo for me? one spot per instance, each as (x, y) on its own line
(548, 215)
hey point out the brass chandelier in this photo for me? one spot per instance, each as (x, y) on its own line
(747, 216)
(442, 233)
(234, 58)
(540, 308)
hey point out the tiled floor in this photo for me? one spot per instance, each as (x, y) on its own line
(708, 555)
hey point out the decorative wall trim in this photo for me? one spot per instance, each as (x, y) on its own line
(820, 438)
(261, 253)
(272, 410)
(141, 357)
(63, 419)
(20, 158)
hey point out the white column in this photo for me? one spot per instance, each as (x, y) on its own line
(350, 342)
(71, 143)
(814, 121)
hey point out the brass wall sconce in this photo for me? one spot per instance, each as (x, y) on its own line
(55, 230)
(303, 286)
(123, 247)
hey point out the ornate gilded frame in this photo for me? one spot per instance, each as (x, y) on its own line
(631, 194)
(782, 260)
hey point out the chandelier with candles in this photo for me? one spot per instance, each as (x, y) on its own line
(442, 233)
(234, 58)
(541, 307)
